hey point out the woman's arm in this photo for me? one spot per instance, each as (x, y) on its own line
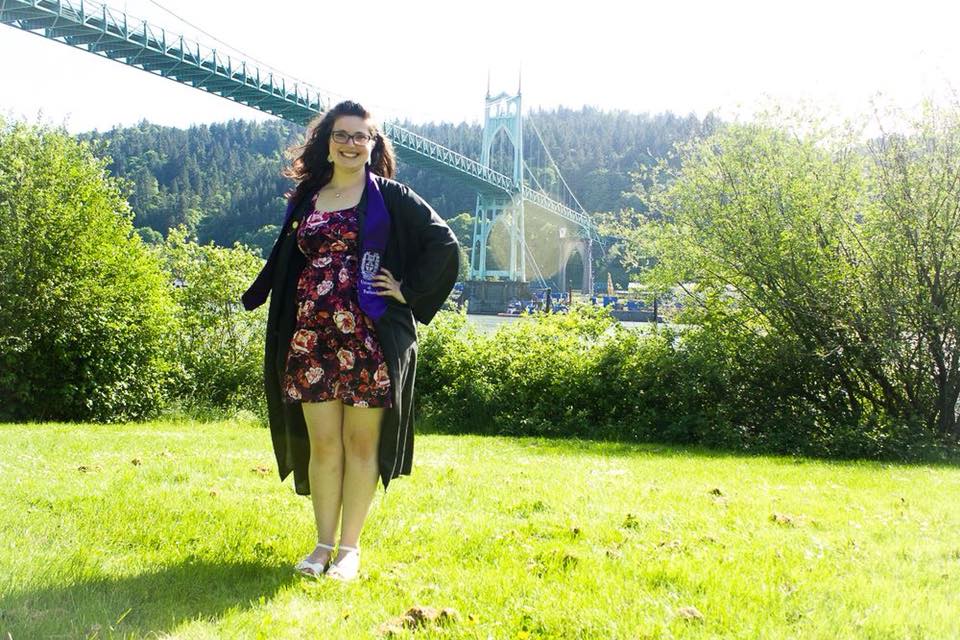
(257, 293)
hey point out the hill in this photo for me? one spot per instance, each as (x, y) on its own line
(222, 181)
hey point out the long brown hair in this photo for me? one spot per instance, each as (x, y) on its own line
(310, 166)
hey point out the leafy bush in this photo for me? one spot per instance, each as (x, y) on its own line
(820, 273)
(834, 277)
(85, 309)
(583, 375)
(548, 374)
(218, 345)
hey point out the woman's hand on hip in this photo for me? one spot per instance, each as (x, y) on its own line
(389, 286)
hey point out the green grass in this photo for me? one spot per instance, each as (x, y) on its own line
(524, 538)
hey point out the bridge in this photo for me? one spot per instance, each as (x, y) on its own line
(113, 34)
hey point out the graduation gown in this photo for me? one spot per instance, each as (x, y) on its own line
(423, 254)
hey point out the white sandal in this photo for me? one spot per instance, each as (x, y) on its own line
(347, 567)
(314, 569)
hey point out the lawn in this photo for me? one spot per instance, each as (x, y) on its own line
(181, 529)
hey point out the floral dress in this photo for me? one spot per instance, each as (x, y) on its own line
(334, 352)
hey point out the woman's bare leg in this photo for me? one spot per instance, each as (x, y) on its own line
(324, 426)
(361, 439)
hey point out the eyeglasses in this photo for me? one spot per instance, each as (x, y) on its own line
(342, 137)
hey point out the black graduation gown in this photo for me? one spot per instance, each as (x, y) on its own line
(422, 252)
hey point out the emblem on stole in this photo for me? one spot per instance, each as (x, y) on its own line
(369, 265)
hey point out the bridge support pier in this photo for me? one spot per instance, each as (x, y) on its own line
(502, 115)
(490, 297)
(489, 211)
(583, 246)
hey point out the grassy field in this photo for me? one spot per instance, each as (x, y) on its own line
(181, 529)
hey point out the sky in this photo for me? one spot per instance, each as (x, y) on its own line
(429, 61)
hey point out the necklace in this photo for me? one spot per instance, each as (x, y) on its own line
(339, 194)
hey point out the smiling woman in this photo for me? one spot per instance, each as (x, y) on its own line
(359, 259)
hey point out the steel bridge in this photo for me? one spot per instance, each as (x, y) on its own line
(113, 34)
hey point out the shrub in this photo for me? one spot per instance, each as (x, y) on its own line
(85, 309)
(535, 376)
(830, 264)
(218, 345)
(583, 375)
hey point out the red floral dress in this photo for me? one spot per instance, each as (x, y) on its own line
(334, 352)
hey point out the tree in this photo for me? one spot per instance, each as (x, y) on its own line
(911, 232)
(219, 345)
(85, 309)
(462, 226)
(846, 258)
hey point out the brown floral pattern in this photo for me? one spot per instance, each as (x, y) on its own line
(334, 352)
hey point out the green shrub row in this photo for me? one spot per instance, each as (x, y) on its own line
(584, 375)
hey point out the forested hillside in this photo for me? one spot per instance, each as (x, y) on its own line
(222, 181)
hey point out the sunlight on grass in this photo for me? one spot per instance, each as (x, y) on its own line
(181, 529)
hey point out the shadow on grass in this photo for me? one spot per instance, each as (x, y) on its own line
(148, 604)
(566, 445)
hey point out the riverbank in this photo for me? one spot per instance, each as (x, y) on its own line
(489, 323)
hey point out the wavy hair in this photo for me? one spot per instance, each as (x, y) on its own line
(310, 167)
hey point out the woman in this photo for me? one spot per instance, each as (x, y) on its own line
(359, 258)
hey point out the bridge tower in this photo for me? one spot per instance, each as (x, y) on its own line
(502, 113)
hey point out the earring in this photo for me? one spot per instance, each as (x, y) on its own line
(329, 158)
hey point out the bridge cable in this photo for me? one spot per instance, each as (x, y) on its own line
(207, 33)
(596, 233)
(533, 175)
(543, 144)
(536, 266)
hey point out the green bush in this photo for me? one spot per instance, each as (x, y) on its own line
(85, 309)
(218, 346)
(822, 279)
(545, 375)
(583, 375)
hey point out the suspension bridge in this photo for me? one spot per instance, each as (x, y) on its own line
(501, 198)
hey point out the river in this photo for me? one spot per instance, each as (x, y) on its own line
(489, 324)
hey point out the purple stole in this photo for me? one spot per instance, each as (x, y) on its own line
(376, 230)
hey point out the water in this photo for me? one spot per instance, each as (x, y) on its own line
(489, 324)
